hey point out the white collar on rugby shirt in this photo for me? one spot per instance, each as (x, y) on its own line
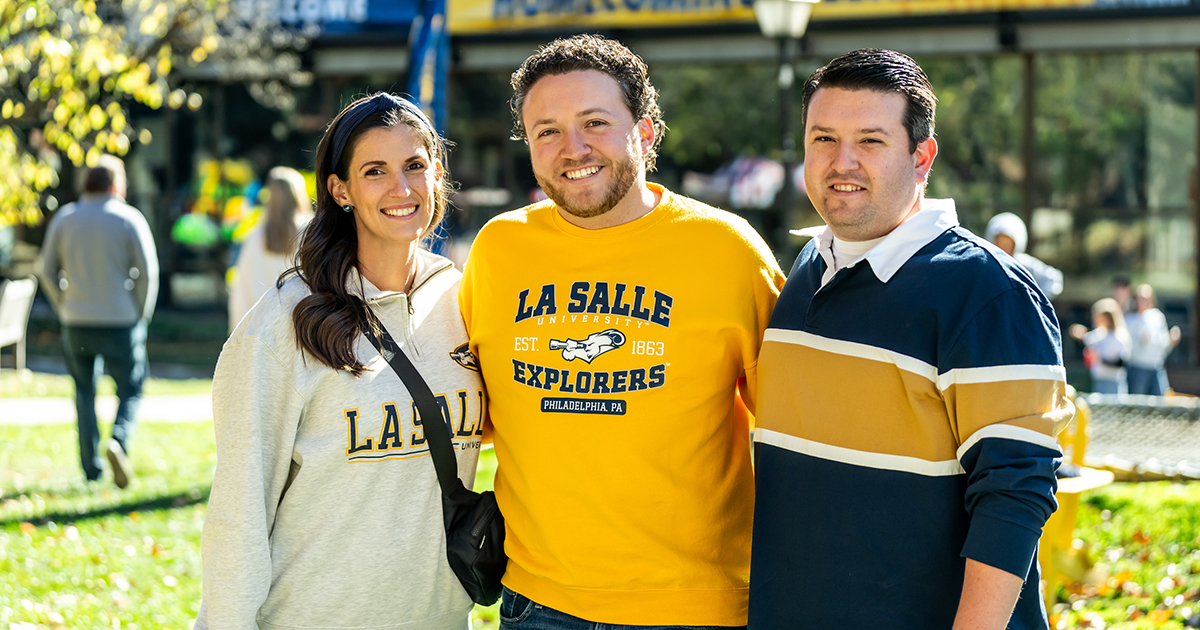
(886, 258)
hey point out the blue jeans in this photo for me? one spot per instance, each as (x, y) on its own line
(521, 613)
(1148, 381)
(88, 350)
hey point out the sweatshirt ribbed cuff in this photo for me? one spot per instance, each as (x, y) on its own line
(1001, 543)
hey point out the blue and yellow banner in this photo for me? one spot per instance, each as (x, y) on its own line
(429, 62)
(469, 17)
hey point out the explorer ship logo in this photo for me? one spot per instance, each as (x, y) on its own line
(587, 350)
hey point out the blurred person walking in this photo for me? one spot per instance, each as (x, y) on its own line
(1007, 231)
(1152, 341)
(1106, 346)
(270, 246)
(325, 510)
(99, 268)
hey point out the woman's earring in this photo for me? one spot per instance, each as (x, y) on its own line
(347, 208)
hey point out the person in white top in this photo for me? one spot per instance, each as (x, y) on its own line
(1152, 342)
(1106, 348)
(1007, 231)
(270, 246)
(325, 510)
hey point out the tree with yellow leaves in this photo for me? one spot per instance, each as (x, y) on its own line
(69, 69)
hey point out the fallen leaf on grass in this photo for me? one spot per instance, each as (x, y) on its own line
(1140, 537)
(1159, 617)
(28, 529)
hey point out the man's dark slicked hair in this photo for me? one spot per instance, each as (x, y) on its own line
(883, 71)
(592, 52)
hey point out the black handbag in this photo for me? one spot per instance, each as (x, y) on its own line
(474, 525)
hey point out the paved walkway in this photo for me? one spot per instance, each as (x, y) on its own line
(28, 411)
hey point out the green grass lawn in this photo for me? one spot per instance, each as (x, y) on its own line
(1145, 540)
(87, 555)
(84, 555)
(40, 385)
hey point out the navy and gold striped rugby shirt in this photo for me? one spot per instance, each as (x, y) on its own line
(907, 411)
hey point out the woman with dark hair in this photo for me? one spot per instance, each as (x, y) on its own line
(325, 509)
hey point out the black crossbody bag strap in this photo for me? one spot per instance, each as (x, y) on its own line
(437, 430)
(475, 529)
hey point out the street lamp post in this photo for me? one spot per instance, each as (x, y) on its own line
(785, 20)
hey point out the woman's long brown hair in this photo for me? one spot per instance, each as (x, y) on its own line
(330, 319)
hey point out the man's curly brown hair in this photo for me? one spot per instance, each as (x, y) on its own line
(592, 52)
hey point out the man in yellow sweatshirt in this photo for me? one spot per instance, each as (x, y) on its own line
(615, 324)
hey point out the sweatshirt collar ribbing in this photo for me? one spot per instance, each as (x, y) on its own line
(428, 265)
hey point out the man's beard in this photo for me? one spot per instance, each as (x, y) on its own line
(624, 174)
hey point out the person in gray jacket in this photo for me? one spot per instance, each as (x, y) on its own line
(99, 268)
(325, 509)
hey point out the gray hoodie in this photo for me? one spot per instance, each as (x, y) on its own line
(325, 509)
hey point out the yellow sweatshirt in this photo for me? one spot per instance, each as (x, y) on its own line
(612, 359)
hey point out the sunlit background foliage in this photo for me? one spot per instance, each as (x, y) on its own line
(71, 70)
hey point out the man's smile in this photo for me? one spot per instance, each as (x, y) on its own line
(582, 172)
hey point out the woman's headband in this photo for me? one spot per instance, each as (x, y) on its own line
(381, 102)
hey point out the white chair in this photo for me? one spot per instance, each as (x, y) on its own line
(16, 300)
